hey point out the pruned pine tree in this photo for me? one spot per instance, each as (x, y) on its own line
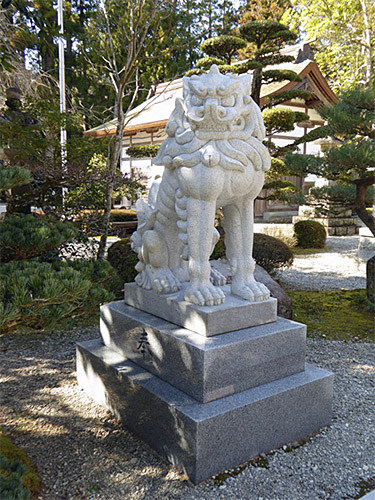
(260, 42)
(351, 158)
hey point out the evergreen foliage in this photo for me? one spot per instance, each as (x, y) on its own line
(271, 253)
(268, 252)
(143, 151)
(11, 474)
(26, 476)
(310, 234)
(41, 295)
(343, 194)
(351, 158)
(13, 176)
(123, 259)
(223, 47)
(28, 236)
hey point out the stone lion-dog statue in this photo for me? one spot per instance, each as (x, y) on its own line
(213, 158)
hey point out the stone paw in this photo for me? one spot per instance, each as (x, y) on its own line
(217, 278)
(164, 281)
(204, 295)
(252, 291)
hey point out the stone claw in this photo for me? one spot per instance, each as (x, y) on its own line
(164, 281)
(251, 290)
(217, 278)
(204, 295)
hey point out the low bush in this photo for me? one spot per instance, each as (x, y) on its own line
(219, 250)
(123, 215)
(11, 474)
(281, 232)
(310, 234)
(271, 253)
(123, 259)
(40, 295)
(28, 236)
(18, 476)
(268, 252)
(143, 150)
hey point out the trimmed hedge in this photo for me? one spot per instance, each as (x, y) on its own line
(268, 252)
(123, 259)
(310, 234)
(123, 215)
(143, 151)
(271, 253)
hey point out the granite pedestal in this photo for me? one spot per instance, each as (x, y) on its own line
(204, 401)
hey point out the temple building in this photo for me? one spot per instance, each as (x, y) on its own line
(145, 124)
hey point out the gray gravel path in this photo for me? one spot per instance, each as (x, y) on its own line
(82, 452)
(338, 269)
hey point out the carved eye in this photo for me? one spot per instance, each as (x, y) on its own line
(228, 101)
(196, 101)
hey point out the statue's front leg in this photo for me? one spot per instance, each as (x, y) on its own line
(200, 224)
(239, 227)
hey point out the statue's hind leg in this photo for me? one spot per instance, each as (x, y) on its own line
(155, 256)
(238, 225)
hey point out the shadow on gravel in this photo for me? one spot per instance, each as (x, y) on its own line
(79, 449)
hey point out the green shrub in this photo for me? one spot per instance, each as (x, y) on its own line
(27, 236)
(219, 250)
(123, 259)
(18, 476)
(40, 295)
(281, 232)
(268, 252)
(271, 253)
(143, 150)
(11, 474)
(123, 215)
(310, 234)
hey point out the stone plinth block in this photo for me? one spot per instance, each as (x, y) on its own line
(204, 439)
(206, 368)
(234, 314)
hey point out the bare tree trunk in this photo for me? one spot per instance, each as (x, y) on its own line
(256, 85)
(360, 204)
(368, 46)
(114, 157)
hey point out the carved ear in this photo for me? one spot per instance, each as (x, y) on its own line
(245, 80)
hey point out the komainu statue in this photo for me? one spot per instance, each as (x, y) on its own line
(213, 158)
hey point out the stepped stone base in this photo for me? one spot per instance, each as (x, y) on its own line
(205, 368)
(203, 439)
(205, 402)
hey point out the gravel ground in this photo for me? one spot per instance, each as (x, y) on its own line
(338, 269)
(82, 452)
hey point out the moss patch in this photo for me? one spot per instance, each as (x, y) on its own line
(304, 251)
(335, 315)
(9, 451)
